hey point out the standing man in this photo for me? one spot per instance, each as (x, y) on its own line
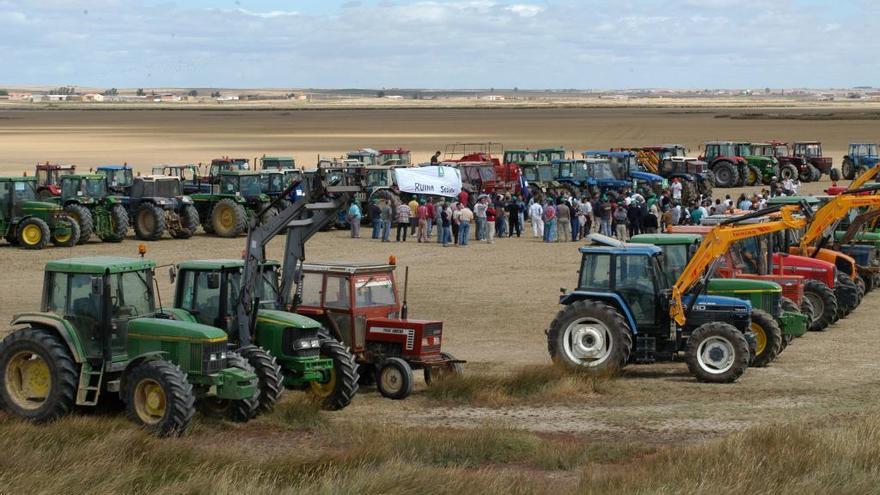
(376, 218)
(575, 219)
(385, 216)
(445, 224)
(480, 217)
(429, 217)
(404, 213)
(490, 224)
(549, 221)
(620, 218)
(513, 216)
(354, 219)
(413, 214)
(536, 214)
(438, 218)
(422, 215)
(676, 190)
(465, 217)
(563, 219)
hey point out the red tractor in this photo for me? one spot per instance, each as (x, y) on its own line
(358, 304)
(49, 179)
(812, 151)
(503, 177)
(394, 157)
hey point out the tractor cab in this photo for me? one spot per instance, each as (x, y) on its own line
(158, 186)
(29, 222)
(366, 156)
(226, 164)
(859, 158)
(119, 178)
(277, 163)
(83, 188)
(241, 183)
(391, 157)
(547, 155)
(49, 178)
(520, 157)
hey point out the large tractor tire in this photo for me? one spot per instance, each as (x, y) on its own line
(807, 310)
(238, 410)
(753, 176)
(269, 375)
(38, 376)
(707, 184)
(590, 335)
(689, 191)
(848, 169)
(824, 304)
(337, 392)
(717, 353)
(834, 174)
(433, 374)
(805, 174)
(816, 174)
(847, 293)
(159, 398)
(189, 223)
(81, 215)
(149, 222)
(726, 174)
(228, 218)
(270, 212)
(788, 171)
(68, 239)
(395, 379)
(119, 224)
(768, 338)
(33, 233)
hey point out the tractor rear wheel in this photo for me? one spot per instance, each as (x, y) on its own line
(38, 375)
(847, 293)
(848, 169)
(395, 379)
(707, 184)
(119, 224)
(689, 191)
(149, 222)
(238, 410)
(33, 233)
(805, 174)
(753, 176)
(228, 218)
(591, 335)
(823, 302)
(768, 338)
(816, 173)
(442, 372)
(338, 391)
(159, 398)
(834, 174)
(807, 310)
(68, 239)
(81, 215)
(189, 223)
(717, 353)
(726, 174)
(269, 374)
(788, 171)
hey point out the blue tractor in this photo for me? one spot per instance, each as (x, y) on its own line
(626, 310)
(623, 171)
(861, 157)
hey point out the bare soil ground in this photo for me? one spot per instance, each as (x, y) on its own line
(496, 300)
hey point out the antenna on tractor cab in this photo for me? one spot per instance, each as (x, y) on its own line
(403, 309)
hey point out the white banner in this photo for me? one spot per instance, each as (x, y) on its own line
(432, 180)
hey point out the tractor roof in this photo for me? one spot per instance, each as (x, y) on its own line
(18, 178)
(277, 158)
(863, 144)
(218, 264)
(614, 154)
(348, 268)
(98, 265)
(602, 244)
(719, 142)
(113, 167)
(666, 239)
(396, 151)
(808, 142)
(83, 176)
(549, 150)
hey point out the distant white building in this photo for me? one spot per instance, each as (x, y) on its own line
(493, 98)
(93, 97)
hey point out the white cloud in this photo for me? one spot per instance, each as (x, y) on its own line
(268, 15)
(524, 10)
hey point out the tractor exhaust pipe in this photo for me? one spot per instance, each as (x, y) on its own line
(404, 310)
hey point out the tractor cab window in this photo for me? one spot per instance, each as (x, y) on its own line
(83, 309)
(374, 290)
(675, 258)
(70, 188)
(203, 302)
(811, 150)
(377, 178)
(229, 184)
(168, 188)
(250, 185)
(23, 191)
(42, 176)
(781, 151)
(120, 178)
(601, 170)
(635, 280)
(530, 173)
(131, 295)
(96, 188)
(312, 283)
(545, 173)
(268, 291)
(596, 272)
(565, 171)
(337, 294)
(487, 173)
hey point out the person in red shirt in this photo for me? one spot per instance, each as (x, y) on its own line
(463, 198)
(422, 215)
(490, 225)
(429, 207)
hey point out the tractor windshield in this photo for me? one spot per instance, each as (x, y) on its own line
(23, 191)
(780, 151)
(545, 173)
(96, 188)
(250, 185)
(278, 163)
(377, 178)
(550, 155)
(120, 178)
(71, 188)
(374, 290)
(601, 170)
(131, 295)
(268, 291)
(530, 173)
(811, 150)
(487, 173)
(168, 188)
(674, 259)
(272, 183)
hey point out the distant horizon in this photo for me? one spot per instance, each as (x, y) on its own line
(43, 87)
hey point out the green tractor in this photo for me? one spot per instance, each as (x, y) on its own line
(761, 168)
(226, 210)
(775, 320)
(30, 223)
(99, 332)
(85, 199)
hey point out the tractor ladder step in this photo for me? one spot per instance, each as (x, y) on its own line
(344, 189)
(322, 206)
(89, 386)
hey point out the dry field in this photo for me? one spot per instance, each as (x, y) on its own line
(496, 302)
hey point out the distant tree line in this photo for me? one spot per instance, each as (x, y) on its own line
(68, 90)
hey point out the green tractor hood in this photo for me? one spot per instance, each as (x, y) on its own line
(272, 317)
(38, 208)
(173, 331)
(742, 286)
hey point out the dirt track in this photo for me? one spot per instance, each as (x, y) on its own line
(495, 300)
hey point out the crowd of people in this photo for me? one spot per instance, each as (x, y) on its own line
(558, 216)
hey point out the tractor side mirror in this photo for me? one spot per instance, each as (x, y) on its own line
(97, 286)
(214, 280)
(172, 274)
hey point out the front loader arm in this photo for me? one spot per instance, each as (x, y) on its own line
(863, 179)
(833, 211)
(718, 241)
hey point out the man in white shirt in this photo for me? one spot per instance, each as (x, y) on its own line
(536, 214)
(676, 190)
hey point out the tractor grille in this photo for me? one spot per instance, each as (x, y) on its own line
(215, 348)
(291, 336)
(431, 337)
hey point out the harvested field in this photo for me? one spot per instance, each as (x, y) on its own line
(495, 302)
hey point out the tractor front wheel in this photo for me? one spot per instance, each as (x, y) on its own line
(339, 389)
(726, 174)
(753, 176)
(768, 338)
(269, 375)
(81, 215)
(149, 222)
(159, 398)
(395, 379)
(450, 369)
(834, 174)
(788, 171)
(189, 223)
(717, 353)
(65, 232)
(823, 302)
(590, 335)
(38, 375)
(238, 410)
(119, 224)
(815, 173)
(848, 169)
(33, 233)
(228, 218)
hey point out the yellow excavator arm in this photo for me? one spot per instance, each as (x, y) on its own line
(831, 213)
(718, 241)
(863, 179)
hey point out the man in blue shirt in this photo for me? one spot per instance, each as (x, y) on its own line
(354, 219)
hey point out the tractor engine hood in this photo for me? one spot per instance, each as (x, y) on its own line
(173, 330)
(285, 319)
(39, 206)
(646, 176)
(707, 309)
(739, 285)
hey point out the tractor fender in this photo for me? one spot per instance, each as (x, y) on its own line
(609, 298)
(134, 363)
(57, 325)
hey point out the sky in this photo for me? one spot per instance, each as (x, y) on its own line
(461, 44)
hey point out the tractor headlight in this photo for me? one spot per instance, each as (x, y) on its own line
(186, 200)
(307, 344)
(212, 357)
